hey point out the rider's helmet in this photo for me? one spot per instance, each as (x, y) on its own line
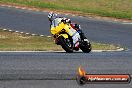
(52, 16)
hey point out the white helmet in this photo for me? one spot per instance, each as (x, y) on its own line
(52, 16)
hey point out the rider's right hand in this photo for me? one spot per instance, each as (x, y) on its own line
(65, 20)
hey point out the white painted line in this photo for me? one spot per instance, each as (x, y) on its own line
(120, 49)
(29, 51)
(16, 31)
(117, 47)
(41, 35)
(34, 34)
(27, 33)
(63, 51)
(5, 29)
(96, 50)
(10, 30)
(49, 36)
(126, 23)
(21, 32)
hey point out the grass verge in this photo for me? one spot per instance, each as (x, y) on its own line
(109, 8)
(11, 41)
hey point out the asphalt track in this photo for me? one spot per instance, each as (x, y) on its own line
(58, 69)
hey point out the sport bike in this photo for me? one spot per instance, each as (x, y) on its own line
(63, 38)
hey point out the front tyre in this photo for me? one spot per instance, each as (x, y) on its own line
(66, 44)
(85, 46)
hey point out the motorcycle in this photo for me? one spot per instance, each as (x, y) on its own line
(66, 41)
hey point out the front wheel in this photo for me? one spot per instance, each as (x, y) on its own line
(66, 44)
(85, 46)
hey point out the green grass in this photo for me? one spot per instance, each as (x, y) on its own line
(14, 41)
(11, 41)
(100, 46)
(110, 8)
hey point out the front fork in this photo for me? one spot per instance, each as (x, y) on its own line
(82, 36)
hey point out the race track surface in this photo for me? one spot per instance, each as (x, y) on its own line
(58, 69)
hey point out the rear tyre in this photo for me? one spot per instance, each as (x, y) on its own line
(66, 44)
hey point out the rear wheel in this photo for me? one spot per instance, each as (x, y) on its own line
(66, 44)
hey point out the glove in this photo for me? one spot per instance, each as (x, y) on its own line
(77, 26)
(68, 21)
(65, 20)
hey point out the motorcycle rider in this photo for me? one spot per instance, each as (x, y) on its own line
(75, 31)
